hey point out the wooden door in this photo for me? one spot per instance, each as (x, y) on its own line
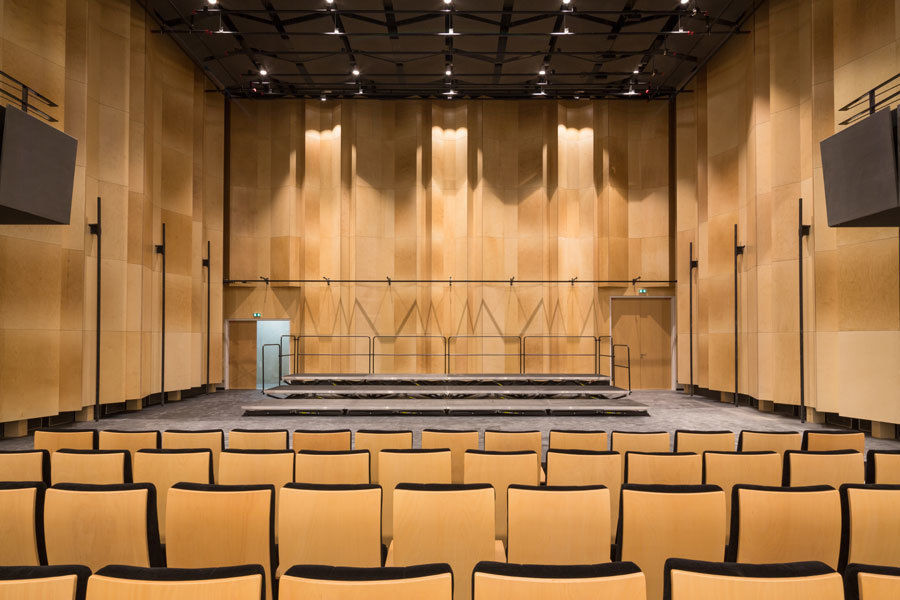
(645, 325)
(242, 355)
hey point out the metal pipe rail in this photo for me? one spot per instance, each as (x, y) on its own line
(376, 338)
(450, 281)
(263, 374)
(593, 354)
(626, 366)
(450, 354)
(368, 353)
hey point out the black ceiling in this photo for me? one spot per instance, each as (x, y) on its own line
(587, 48)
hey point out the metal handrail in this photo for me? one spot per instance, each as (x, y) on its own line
(593, 354)
(280, 374)
(484, 354)
(368, 353)
(376, 338)
(871, 99)
(600, 354)
(626, 366)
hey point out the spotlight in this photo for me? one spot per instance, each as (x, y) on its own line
(543, 71)
(329, 1)
(360, 92)
(685, 1)
(566, 1)
(323, 97)
(449, 70)
(447, 1)
(355, 71)
(212, 2)
(451, 92)
(263, 72)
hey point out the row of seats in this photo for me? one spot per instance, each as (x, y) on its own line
(215, 525)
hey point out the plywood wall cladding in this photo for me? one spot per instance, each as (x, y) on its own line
(748, 138)
(439, 190)
(150, 143)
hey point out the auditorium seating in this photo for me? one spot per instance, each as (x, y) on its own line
(327, 467)
(584, 467)
(777, 441)
(702, 580)
(375, 440)
(639, 441)
(258, 439)
(687, 440)
(660, 521)
(871, 525)
(336, 440)
(408, 466)
(500, 470)
(513, 441)
(180, 439)
(62, 582)
(257, 467)
(663, 468)
(200, 531)
(457, 442)
(54, 439)
(25, 465)
(22, 523)
(578, 439)
(118, 582)
(558, 525)
(883, 466)
(502, 581)
(725, 469)
(96, 467)
(871, 582)
(821, 440)
(782, 524)
(428, 581)
(336, 525)
(825, 467)
(117, 439)
(99, 525)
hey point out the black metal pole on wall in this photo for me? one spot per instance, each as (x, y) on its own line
(738, 250)
(801, 233)
(161, 249)
(206, 263)
(95, 230)
(691, 266)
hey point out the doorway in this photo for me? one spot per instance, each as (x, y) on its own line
(645, 325)
(247, 339)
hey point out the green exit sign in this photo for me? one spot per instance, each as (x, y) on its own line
(642, 291)
(257, 315)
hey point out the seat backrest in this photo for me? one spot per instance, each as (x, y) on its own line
(657, 522)
(726, 469)
(781, 524)
(257, 467)
(95, 467)
(25, 465)
(817, 441)
(457, 442)
(114, 439)
(99, 525)
(44, 583)
(688, 440)
(501, 469)
(375, 440)
(500, 581)
(246, 582)
(871, 525)
(165, 468)
(408, 466)
(21, 523)
(329, 525)
(638, 441)
(451, 524)
(777, 441)
(54, 439)
(826, 467)
(514, 441)
(664, 468)
(258, 439)
(335, 440)
(200, 529)
(871, 582)
(212, 439)
(327, 467)
(584, 467)
(558, 525)
(699, 580)
(578, 439)
(883, 466)
(434, 582)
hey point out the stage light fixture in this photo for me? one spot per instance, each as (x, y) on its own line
(263, 71)
(355, 71)
(212, 2)
(448, 71)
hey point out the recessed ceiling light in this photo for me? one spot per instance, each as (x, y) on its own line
(263, 72)
(213, 2)
(543, 71)
(447, 1)
(355, 71)
(448, 71)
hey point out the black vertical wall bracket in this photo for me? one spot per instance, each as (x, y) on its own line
(161, 250)
(692, 265)
(205, 263)
(738, 251)
(95, 230)
(802, 232)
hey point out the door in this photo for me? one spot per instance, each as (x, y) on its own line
(242, 355)
(645, 325)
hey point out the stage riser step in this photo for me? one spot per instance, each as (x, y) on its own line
(338, 379)
(447, 412)
(445, 392)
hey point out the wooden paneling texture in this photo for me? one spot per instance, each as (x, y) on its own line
(748, 148)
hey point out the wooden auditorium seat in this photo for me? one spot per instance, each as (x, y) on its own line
(578, 439)
(181, 439)
(818, 440)
(871, 525)
(200, 531)
(116, 439)
(663, 468)
(408, 466)
(330, 467)
(25, 465)
(258, 439)
(165, 468)
(54, 439)
(688, 440)
(825, 467)
(336, 440)
(701, 580)
(657, 522)
(95, 467)
(375, 440)
(871, 582)
(500, 470)
(558, 525)
(62, 582)
(420, 582)
(451, 524)
(496, 440)
(783, 524)
(257, 467)
(883, 466)
(585, 467)
(638, 441)
(99, 525)
(726, 469)
(118, 582)
(336, 525)
(457, 441)
(22, 523)
(776, 441)
(502, 581)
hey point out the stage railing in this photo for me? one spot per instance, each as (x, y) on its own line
(263, 374)
(574, 355)
(616, 365)
(331, 339)
(451, 355)
(427, 355)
